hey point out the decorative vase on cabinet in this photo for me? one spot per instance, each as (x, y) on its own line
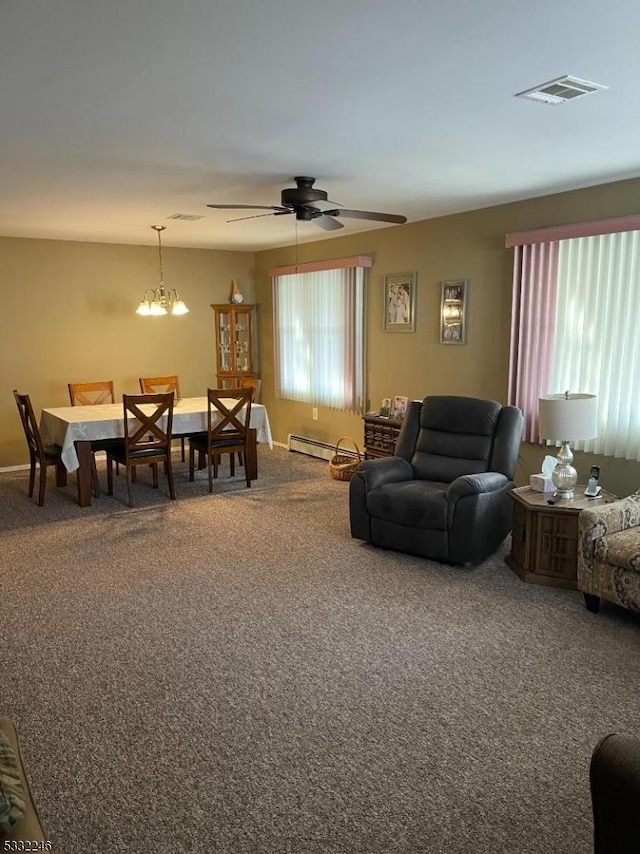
(234, 343)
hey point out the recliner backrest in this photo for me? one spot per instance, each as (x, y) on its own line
(445, 436)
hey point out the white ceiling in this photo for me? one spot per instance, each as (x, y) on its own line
(115, 115)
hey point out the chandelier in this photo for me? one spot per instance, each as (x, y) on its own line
(161, 300)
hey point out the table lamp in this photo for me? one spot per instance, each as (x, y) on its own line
(567, 418)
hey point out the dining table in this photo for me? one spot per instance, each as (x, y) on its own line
(74, 428)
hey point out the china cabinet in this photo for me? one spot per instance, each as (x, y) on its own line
(234, 343)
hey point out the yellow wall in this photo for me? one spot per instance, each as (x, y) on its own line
(465, 246)
(68, 315)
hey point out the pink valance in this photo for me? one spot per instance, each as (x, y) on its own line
(579, 229)
(317, 266)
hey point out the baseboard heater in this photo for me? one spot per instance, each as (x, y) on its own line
(315, 448)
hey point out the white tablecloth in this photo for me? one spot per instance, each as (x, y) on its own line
(65, 425)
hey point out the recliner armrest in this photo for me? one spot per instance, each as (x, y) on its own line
(475, 484)
(377, 473)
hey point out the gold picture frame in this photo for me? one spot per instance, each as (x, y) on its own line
(400, 302)
(454, 299)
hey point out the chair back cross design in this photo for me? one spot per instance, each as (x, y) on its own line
(223, 421)
(92, 394)
(147, 436)
(145, 442)
(226, 431)
(254, 383)
(156, 385)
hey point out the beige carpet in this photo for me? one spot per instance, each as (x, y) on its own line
(233, 673)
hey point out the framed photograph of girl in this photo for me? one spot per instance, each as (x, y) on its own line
(400, 407)
(400, 302)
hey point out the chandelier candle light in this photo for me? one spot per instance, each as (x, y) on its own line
(161, 300)
(567, 418)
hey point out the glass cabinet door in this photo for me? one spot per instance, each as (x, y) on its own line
(234, 342)
(242, 342)
(224, 342)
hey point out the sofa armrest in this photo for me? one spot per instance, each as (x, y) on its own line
(595, 522)
(475, 484)
(616, 516)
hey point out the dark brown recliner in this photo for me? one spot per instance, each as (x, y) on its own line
(615, 795)
(445, 493)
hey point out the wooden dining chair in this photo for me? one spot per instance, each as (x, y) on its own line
(39, 453)
(145, 442)
(93, 394)
(226, 432)
(158, 385)
(254, 383)
(90, 394)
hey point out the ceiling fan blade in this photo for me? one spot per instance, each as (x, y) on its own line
(254, 216)
(328, 223)
(381, 217)
(246, 207)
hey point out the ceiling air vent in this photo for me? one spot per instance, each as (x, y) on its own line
(560, 90)
(186, 217)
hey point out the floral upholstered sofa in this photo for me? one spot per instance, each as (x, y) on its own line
(609, 553)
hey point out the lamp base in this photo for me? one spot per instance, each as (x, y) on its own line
(564, 476)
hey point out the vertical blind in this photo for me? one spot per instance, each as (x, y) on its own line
(319, 337)
(575, 327)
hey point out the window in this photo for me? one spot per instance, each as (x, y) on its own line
(575, 327)
(319, 333)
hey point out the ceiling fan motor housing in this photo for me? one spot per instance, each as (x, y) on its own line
(303, 194)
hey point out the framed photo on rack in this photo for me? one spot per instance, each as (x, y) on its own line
(400, 302)
(385, 408)
(400, 407)
(453, 312)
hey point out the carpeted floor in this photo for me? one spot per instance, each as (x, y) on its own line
(233, 673)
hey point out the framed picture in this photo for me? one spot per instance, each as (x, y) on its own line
(453, 312)
(400, 407)
(400, 302)
(385, 408)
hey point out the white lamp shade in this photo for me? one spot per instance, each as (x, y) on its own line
(568, 418)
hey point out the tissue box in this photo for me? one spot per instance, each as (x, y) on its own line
(541, 482)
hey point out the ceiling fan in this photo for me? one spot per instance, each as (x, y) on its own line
(302, 199)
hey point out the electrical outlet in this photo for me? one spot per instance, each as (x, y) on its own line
(314, 413)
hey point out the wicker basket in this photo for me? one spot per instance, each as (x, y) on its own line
(342, 466)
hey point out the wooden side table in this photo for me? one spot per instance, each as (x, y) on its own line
(380, 436)
(544, 538)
